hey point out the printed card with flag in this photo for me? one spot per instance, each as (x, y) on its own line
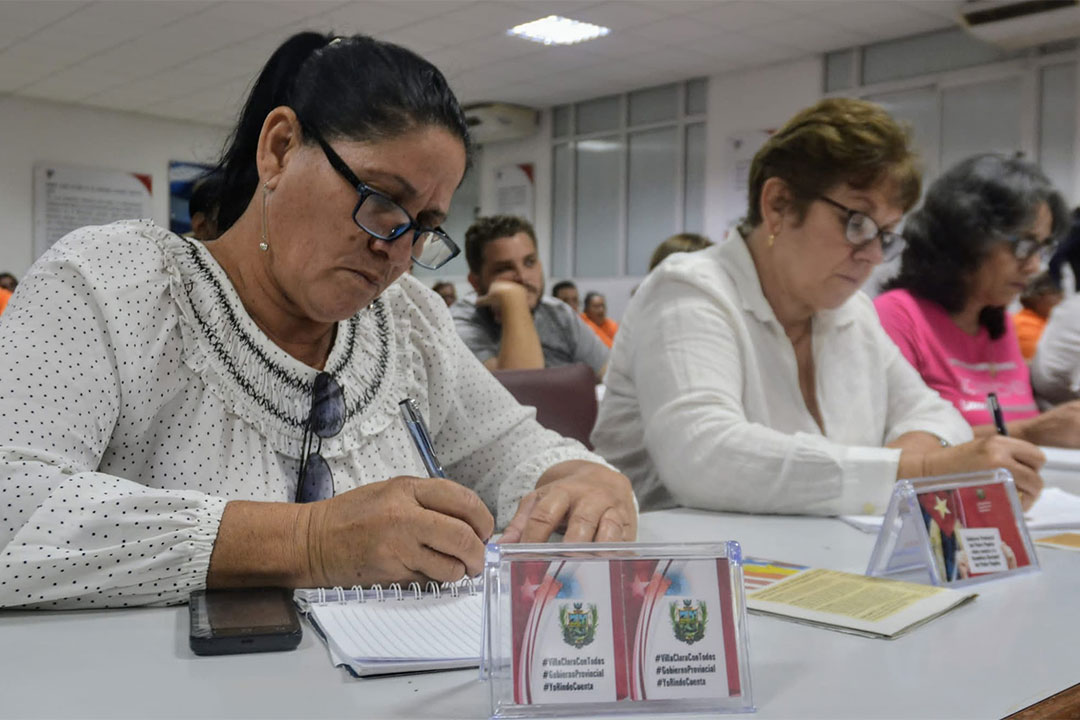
(955, 529)
(620, 627)
(567, 646)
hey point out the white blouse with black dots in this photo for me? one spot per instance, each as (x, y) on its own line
(138, 398)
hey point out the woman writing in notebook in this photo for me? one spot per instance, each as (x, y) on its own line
(753, 375)
(979, 237)
(166, 401)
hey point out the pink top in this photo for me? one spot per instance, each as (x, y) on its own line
(961, 367)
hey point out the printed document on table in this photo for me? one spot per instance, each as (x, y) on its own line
(1061, 541)
(873, 607)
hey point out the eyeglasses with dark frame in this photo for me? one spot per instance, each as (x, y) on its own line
(381, 217)
(1023, 248)
(860, 230)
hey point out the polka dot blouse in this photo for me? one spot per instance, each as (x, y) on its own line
(138, 398)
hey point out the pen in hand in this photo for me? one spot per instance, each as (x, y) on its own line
(995, 410)
(414, 421)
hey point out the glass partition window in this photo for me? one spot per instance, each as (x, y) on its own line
(978, 118)
(927, 53)
(598, 115)
(597, 206)
(654, 181)
(562, 189)
(961, 96)
(627, 172)
(694, 182)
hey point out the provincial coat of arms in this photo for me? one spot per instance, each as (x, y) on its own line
(578, 623)
(688, 621)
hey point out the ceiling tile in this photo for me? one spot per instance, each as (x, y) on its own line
(36, 58)
(875, 20)
(616, 46)
(736, 47)
(196, 58)
(70, 85)
(266, 14)
(456, 59)
(13, 77)
(120, 19)
(671, 31)
(688, 63)
(23, 17)
(372, 18)
(542, 8)
(806, 34)
(620, 15)
(948, 9)
(741, 14)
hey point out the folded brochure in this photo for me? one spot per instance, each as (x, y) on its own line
(847, 602)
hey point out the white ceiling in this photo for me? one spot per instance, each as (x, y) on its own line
(194, 59)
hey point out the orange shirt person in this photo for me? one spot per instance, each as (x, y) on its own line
(1040, 297)
(5, 295)
(595, 316)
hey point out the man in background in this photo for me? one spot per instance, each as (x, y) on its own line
(567, 292)
(508, 323)
(203, 207)
(596, 318)
(446, 291)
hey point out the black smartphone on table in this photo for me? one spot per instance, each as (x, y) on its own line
(243, 620)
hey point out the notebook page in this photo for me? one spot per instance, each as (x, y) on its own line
(445, 628)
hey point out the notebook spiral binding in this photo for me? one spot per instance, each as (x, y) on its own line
(393, 591)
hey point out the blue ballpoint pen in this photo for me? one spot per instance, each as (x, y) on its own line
(414, 421)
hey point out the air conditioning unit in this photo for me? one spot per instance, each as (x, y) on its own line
(1014, 24)
(492, 122)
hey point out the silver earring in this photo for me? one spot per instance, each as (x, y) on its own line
(265, 244)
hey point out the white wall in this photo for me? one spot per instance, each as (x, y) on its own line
(743, 100)
(38, 131)
(758, 99)
(536, 150)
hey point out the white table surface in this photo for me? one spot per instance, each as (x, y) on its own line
(1018, 643)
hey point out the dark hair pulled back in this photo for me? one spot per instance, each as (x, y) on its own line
(976, 204)
(353, 87)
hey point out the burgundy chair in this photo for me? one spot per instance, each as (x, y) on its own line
(564, 397)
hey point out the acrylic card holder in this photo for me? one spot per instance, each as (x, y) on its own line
(954, 530)
(628, 628)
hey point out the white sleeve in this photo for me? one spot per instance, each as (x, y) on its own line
(690, 380)
(71, 536)
(1055, 369)
(486, 440)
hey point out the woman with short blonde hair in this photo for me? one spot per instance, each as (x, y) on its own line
(753, 375)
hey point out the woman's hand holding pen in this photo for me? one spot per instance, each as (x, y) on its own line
(587, 501)
(1022, 459)
(399, 530)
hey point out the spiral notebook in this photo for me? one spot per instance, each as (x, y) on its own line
(378, 631)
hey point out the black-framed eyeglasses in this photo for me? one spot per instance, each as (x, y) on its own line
(381, 217)
(861, 229)
(1023, 248)
(325, 420)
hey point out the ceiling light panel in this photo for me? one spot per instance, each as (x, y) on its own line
(558, 30)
